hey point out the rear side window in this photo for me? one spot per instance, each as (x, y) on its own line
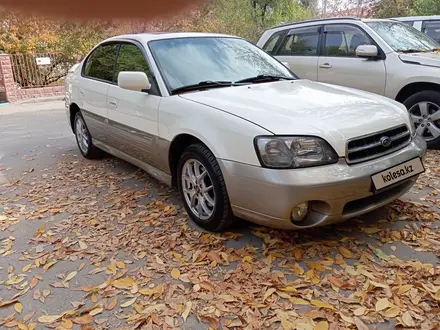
(432, 29)
(273, 42)
(100, 64)
(301, 42)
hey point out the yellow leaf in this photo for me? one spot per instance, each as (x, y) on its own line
(96, 311)
(177, 255)
(85, 319)
(112, 304)
(347, 319)
(129, 302)
(125, 283)
(175, 273)
(67, 324)
(408, 320)
(49, 318)
(22, 326)
(379, 285)
(323, 325)
(207, 286)
(82, 245)
(382, 304)
(298, 270)
(299, 301)
(404, 288)
(268, 293)
(288, 289)
(18, 307)
(392, 312)
(32, 326)
(70, 276)
(26, 268)
(359, 311)
(287, 325)
(187, 310)
(297, 254)
(322, 304)
(345, 252)
(50, 264)
(247, 259)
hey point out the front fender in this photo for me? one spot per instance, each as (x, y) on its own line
(227, 136)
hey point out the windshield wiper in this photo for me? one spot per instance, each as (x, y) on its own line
(264, 77)
(202, 85)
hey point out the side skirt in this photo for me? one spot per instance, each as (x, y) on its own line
(153, 171)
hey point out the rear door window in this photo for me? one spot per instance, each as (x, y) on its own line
(432, 29)
(301, 42)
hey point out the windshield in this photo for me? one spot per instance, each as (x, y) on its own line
(187, 61)
(402, 37)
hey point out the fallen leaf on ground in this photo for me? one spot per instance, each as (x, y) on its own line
(175, 273)
(18, 307)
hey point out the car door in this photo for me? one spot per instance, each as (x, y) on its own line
(300, 49)
(96, 77)
(432, 29)
(133, 116)
(339, 65)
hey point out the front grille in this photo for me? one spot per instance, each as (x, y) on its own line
(370, 147)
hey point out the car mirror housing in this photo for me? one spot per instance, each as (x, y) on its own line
(366, 51)
(134, 81)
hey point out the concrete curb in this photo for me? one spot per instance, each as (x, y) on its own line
(41, 99)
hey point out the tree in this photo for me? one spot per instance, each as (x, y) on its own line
(426, 7)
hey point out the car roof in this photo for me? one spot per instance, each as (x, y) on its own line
(145, 37)
(332, 19)
(416, 18)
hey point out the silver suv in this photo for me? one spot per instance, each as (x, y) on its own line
(381, 56)
(427, 24)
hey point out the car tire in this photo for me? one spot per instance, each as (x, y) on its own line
(426, 103)
(198, 170)
(84, 139)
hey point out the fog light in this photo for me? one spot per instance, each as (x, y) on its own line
(300, 211)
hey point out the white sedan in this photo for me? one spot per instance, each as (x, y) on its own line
(238, 133)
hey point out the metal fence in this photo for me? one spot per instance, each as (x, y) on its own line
(39, 70)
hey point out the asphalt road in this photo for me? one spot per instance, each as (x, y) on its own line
(51, 200)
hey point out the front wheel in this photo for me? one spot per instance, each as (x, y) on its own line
(203, 189)
(424, 108)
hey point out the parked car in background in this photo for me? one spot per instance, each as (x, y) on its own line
(427, 24)
(385, 57)
(238, 133)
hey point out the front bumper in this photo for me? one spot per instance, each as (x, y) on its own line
(335, 192)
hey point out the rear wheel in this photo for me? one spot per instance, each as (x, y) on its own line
(203, 189)
(84, 139)
(424, 108)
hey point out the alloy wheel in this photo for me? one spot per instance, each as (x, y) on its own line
(82, 135)
(426, 117)
(198, 189)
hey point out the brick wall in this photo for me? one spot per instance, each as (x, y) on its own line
(13, 93)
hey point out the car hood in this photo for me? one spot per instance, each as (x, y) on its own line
(428, 59)
(303, 107)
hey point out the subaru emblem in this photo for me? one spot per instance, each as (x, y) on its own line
(385, 141)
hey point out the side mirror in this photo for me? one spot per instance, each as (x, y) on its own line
(366, 51)
(134, 81)
(286, 64)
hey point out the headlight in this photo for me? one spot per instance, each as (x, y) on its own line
(293, 151)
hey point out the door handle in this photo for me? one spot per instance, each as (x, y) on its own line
(325, 66)
(112, 103)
